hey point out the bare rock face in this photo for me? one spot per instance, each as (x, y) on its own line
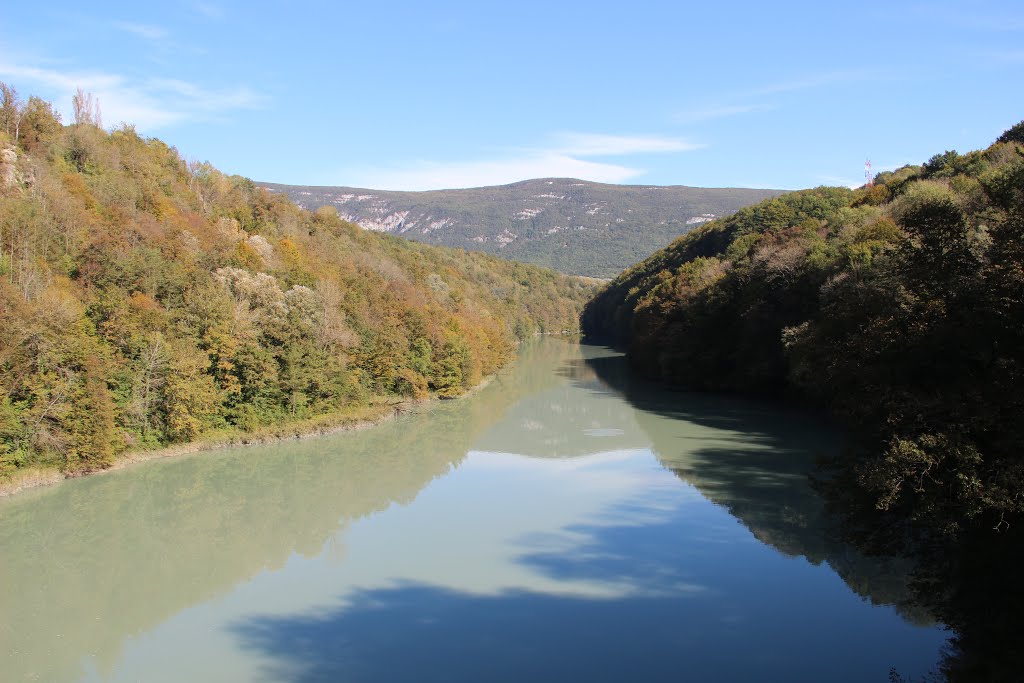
(8, 169)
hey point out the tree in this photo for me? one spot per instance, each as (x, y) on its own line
(190, 400)
(39, 124)
(87, 109)
(150, 379)
(1013, 134)
(12, 109)
(13, 451)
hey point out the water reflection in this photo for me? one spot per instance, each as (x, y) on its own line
(756, 461)
(429, 548)
(97, 559)
(968, 579)
(675, 589)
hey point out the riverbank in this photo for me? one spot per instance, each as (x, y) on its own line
(350, 419)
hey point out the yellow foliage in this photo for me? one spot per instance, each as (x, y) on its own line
(76, 186)
(173, 318)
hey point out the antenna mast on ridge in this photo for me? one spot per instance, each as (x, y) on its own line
(869, 177)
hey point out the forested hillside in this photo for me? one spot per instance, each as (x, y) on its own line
(574, 226)
(898, 306)
(146, 300)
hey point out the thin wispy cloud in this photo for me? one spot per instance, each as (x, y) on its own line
(976, 18)
(149, 104)
(203, 100)
(840, 181)
(59, 80)
(755, 98)
(721, 111)
(809, 82)
(1004, 57)
(147, 31)
(208, 10)
(425, 175)
(569, 156)
(595, 145)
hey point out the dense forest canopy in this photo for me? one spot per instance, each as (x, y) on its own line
(146, 299)
(899, 305)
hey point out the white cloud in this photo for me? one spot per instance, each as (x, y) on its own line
(56, 79)
(595, 145)
(806, 83)
(424, 175)
(720, 111)
(208, 10)
(566, 157)
(840, 181)
(200, 99)
(149, 104)
(146, 31)
(751, 100)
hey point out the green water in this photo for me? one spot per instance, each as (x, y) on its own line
(564, 523)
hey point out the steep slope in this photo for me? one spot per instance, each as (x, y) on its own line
(899, 306)
(147, 301)
(570, 225)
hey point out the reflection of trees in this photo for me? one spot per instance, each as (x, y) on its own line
(103, 558)
(970, 581)
(975, 587)
(564, 422)
(756, 460)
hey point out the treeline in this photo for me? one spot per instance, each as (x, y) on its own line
(147, 300)
(898, 306)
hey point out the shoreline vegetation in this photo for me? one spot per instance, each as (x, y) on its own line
(150, 304)
(350, 419)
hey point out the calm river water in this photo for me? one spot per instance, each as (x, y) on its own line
(566, 523)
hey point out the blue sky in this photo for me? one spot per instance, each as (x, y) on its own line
(461, 94)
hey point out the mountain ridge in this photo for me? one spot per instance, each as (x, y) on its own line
(575, 226)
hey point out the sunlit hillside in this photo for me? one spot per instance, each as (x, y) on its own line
(146, 300)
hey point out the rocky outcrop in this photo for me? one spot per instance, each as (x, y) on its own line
(8, 168)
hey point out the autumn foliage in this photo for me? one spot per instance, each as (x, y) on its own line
(146, 299)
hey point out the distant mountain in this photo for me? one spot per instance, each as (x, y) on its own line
(571, 225)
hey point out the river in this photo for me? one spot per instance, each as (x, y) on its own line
(565, 523)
